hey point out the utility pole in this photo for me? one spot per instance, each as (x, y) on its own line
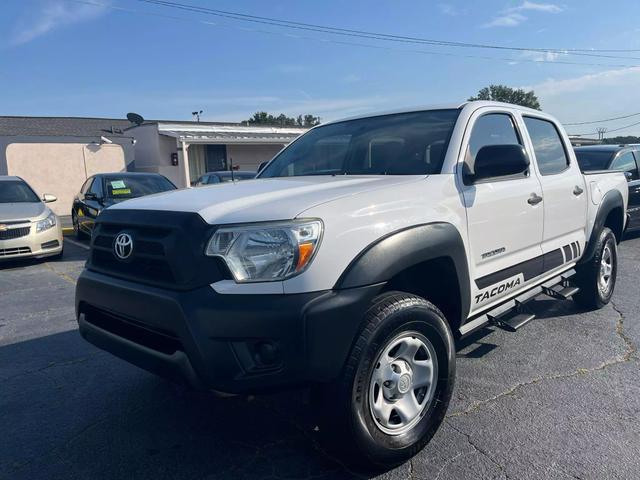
(601, 131)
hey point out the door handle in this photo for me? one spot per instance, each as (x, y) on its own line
(534, 199)
(577, 191)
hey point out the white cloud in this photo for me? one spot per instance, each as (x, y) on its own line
(448, 9)
(592, 96)
(539, 7)
(513, 16)
(506, 20)
(53, 14)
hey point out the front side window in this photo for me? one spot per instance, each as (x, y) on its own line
(547, 145)
(490, 129)
(17, 191)
(626, 163)
(96, 188)
(400, 144)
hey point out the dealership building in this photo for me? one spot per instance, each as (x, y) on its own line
(182, 151)
(57, 154)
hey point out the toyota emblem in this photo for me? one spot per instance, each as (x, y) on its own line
(123, 246)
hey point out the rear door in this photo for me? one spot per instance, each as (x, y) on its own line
(629, 164)
(563, 192)
(504, 229)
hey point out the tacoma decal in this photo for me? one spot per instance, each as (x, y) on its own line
(499, 289)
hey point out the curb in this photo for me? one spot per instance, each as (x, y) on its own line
(67, 230)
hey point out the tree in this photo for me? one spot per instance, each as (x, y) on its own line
(621, 140)
(502, 93)
(264, 118)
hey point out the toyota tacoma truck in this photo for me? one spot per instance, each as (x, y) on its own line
(353, 263)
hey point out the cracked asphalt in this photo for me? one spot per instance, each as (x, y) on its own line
(558, 399)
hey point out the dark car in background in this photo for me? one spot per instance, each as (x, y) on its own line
(211, 178)
(625, 158)
(103, 190)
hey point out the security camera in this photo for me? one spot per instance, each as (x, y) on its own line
(105, 140)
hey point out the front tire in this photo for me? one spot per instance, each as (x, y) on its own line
(597, 277)
(396, 385)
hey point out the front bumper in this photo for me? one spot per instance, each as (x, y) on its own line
(33, 245)
(227, 343)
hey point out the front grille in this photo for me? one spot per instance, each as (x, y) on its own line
(8, 252)
(168, 248)
(151, 337)
(14, 233)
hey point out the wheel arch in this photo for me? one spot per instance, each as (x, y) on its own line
(610, 214)
(429, 260)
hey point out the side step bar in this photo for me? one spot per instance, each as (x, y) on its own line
(511, 315)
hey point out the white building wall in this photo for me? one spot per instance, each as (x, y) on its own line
(249, 157)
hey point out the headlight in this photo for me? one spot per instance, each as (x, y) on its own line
(47, 223)
(266, 252)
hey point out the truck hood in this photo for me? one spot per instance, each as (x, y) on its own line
(262, 199)
(21, 211)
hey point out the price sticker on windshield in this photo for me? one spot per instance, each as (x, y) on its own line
(117, 184)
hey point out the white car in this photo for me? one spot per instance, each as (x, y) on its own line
(353, 262)
(28, 228)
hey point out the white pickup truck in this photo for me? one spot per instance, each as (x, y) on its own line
(353, 262)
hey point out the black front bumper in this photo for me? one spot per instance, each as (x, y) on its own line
(228, 343)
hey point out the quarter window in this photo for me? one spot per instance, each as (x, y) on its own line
(626, 163)
(491, 129)
(547, 145)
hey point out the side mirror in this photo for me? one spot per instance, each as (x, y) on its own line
(628, 176)
(48, 198)
(499, 161)
(92, 196)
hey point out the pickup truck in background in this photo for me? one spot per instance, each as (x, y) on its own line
(354, 261)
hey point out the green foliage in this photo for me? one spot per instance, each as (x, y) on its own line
(621, 140)
(502, 93)
(264, 118)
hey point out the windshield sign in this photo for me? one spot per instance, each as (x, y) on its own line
(131, 187)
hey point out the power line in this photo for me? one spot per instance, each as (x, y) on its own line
(604, 120)
(375, 35)
(510, 60)
(607, 131)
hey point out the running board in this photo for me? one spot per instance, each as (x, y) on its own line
(511, 316)
(511, 323)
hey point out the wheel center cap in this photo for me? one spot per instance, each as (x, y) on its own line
(404, 384)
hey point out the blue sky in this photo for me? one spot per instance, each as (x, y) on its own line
(60, 57)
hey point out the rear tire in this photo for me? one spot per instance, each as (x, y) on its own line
(597, 277)
(396, 385)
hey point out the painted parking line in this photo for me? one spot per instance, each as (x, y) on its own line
(76, 243)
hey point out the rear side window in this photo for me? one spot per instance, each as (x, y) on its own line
(626, 163)
(547, 145)
(491, 129)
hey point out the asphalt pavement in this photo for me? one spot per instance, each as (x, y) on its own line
(558, 399)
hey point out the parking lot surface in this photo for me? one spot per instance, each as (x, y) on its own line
(558, 399)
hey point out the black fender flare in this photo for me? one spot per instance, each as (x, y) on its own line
(611, 200)
(386, 257)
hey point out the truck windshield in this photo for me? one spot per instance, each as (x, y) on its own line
(400, 144)
(16, 192)
(590, 160)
